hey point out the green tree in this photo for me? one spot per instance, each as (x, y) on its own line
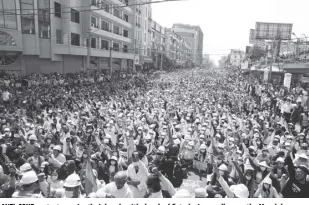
(256, 53)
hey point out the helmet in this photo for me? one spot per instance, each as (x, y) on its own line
(57, 147)
(72, 180)
(203, 146)
(33, 137)
(223, 167)
(240, 190)
(28, 178)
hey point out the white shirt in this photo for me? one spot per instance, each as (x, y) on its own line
(111, 188)
(141, 176)
(5, 96)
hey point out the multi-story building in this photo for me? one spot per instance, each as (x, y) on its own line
(51, 35)
(236, 57)
(158, 44)
(177, 49)
(194, 36)
(142, 36)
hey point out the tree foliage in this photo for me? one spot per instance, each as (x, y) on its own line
(256, 53)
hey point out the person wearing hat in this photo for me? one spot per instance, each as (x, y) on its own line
(266, 190)
(234, 191)
(296, 186)
(117, 189)
(57, 159)
(158, 186)
(30, 187)
(137, 176)
(201, 164)
(277, 172)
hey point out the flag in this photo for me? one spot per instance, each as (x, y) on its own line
(90, 179)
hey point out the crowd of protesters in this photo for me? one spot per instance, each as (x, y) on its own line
(87, 135)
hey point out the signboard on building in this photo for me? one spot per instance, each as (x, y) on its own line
(270, 31)
(136, 59)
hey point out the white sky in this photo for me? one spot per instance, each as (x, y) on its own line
(226, 23)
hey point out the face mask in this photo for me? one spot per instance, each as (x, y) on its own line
(113, 162)
(85, 156)
(69, 194)
(190, 147)
(248, 177)
(203, 151)
(263, 168)
(54, 178)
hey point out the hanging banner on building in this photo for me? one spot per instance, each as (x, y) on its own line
(287, 80)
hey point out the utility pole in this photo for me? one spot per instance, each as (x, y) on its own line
(272, 59)
(88, 50)
(111, 61)
(161, 65)
(134, 34)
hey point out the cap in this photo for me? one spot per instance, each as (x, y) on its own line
(33, 137)
(267, 180)
(203, 146)
(161, 149)
(264, 164)
(280, 159)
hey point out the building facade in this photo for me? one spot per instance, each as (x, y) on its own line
(142, 35)
(46, 36)
(236, 57)
(158, 44)
(177, 49)
(194, 36)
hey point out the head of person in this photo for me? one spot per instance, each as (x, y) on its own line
(240, 191)
(54, 175)
(29, 182)
(72, 186)
(200, 193)
(249, 173)
(57, 150)
(301, 173)
(153, 183)
(280, 162)
(120, 179)
(267, 184)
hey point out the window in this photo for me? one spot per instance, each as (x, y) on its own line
(94, 22)
(126, 17)
(59, 36)
(117, 13)
(104, 45)
(104, 25)
(116, 47)
(74, 16)
(57, 9)
(125, 33)
(94, 2)
(8, 14)
(93, 43)
(116, 30)
(105, 6)
(44, 19)
(27, 16)
(75, 39)
(125, 48)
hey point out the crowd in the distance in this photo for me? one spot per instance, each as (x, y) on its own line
(86, 135)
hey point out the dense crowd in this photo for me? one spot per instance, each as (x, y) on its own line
(87, 135)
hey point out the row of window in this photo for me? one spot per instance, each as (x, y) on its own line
(106, 27)
(104, 44)
(107, 8)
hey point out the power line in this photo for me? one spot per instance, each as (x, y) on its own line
(97, 9)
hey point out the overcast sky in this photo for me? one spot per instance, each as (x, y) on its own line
(226, 23)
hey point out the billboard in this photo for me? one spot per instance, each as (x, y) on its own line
(271, 31)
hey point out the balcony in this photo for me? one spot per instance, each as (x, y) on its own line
(120, 3)
(111, 35)
(115, 54)
(112, 18)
